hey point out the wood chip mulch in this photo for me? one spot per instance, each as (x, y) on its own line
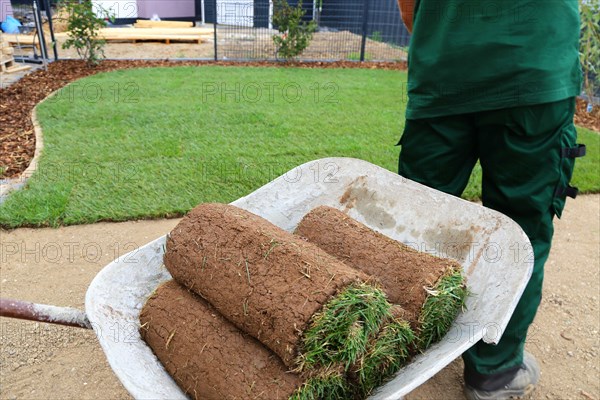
(17, 139)
(586, 119)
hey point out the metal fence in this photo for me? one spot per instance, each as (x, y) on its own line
(360, 30)
(356, 30)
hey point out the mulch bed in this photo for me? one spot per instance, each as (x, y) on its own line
(17, 139)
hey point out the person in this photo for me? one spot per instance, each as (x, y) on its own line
(495, 81)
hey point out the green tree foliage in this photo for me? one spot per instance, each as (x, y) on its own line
(83, 26)
(590, 46)
(294, 34)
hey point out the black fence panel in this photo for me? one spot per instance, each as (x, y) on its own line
(346, 30)
(387, 37)
(244, 31)
(357, 30)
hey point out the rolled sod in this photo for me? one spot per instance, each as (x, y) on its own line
(210, 358)
(302, 303)
(431, 289)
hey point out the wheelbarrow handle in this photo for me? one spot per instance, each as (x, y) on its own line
(43, 313)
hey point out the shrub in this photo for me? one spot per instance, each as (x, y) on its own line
(83, 26)
(376, 36)
(295, 35)
(590, 47)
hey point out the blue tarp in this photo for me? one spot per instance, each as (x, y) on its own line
(10, 25)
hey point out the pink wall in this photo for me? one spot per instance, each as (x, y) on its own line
(5, 9)
(166, 8)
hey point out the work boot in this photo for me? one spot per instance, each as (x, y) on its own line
(520, 386)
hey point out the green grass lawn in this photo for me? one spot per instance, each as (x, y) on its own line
(155, 142)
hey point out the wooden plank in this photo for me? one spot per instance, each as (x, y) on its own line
(159, 31)
(155, 34)
(18, 68)
(131, 34)
(6, 64)
(160, 38)
(6, 59)
(139, 32)
(144, 23)
(14, 38)
(25, 40)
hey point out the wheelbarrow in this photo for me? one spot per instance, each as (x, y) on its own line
(491, 248)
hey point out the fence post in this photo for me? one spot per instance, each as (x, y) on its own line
(365, 26)
(215, 27)
(49, 16)
(37, 18)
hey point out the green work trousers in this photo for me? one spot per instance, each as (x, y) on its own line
(527, 158)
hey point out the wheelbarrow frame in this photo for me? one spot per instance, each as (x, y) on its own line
(492, 249)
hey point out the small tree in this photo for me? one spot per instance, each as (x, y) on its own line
(83, 26)
(590, 47)
(295, 35)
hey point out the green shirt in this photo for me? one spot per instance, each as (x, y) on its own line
(475, 55)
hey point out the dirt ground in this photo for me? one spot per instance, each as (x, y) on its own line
(55, 266)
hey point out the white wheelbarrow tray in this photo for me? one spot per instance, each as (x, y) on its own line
(494, 252)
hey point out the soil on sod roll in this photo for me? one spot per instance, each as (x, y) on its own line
(211, 359)
(302, 303)
(431, 289)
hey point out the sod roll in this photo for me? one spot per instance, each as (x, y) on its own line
(300, 302)
(431, 289)
(211, 359)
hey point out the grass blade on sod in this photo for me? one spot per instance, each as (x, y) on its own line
(386, 354)
(439, 311)
(325, 384)
(330, 337)
(302, 303)
(431, 289)
(211, 359)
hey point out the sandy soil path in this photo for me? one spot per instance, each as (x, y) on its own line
(55, 266)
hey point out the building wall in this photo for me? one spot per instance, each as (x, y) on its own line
(5, 9)
(167, 9)
(120, 9)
